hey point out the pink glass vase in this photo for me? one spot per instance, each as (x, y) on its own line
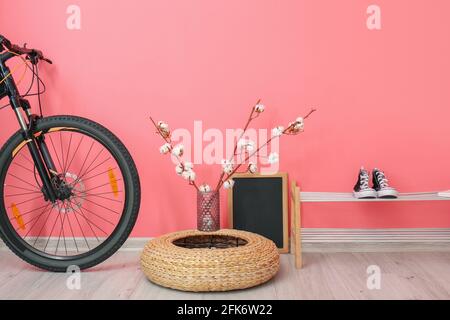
(208, 211)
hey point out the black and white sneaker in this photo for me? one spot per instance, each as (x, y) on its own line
(362, 189)
(380, 184)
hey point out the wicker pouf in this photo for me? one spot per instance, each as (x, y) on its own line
(210, 261)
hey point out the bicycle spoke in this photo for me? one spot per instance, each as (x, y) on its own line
(21, 194)
(102, 206)
(42, 228)
(85, 159)
(56, 153)
(95, 214)
(97, 196)
(74, 154)
(61, 232)
(68, 151)
(102, 185)
(71, 229)
(79, 178)
(62, 152)
(98, 174)
(86, 172)
(23, 167)
(33, 185)
(93, 161)
(88, 221)
(53, 228)
(79, 225)
(19, 203)
(28, 212)
(17, 187)
(28, 159)
(64, 236)
(38, 217)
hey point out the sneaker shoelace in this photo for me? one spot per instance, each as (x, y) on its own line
(364, 180)
(382, 179)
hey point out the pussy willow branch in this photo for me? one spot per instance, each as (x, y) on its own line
(250, 118)
(285, 131)
(169, 141)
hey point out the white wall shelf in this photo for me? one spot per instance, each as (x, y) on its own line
(348, 197)
(298, 197)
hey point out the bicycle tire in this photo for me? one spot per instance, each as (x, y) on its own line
(129, 214)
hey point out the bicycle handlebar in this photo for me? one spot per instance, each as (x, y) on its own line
(31, 53)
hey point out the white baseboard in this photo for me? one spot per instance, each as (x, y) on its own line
(375, 240)
(353, 240)
(358, 240)
(135, 244)
(312, 235)
(132, 244)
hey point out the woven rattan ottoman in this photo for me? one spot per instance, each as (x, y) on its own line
(210, 261)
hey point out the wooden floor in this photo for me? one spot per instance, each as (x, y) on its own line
(325, 276)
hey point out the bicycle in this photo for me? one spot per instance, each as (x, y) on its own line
(69, 189)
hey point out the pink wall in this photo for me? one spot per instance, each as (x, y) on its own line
(383, 96)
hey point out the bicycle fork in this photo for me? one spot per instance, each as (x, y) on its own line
(36, 145)
(39, 154)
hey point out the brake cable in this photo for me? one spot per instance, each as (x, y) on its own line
(39, 90)
(25, 63)
(38, 79)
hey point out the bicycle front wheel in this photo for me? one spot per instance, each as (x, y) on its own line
(101, 189)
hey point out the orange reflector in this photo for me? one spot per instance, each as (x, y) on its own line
(113, 182)
(18, 216)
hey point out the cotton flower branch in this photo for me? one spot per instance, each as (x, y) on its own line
(293, 128)
(183, 169)
(229, 167)
(254, 113)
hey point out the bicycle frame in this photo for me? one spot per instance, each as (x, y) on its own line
(27, 121)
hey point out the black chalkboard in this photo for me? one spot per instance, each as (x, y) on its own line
(258, 203)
